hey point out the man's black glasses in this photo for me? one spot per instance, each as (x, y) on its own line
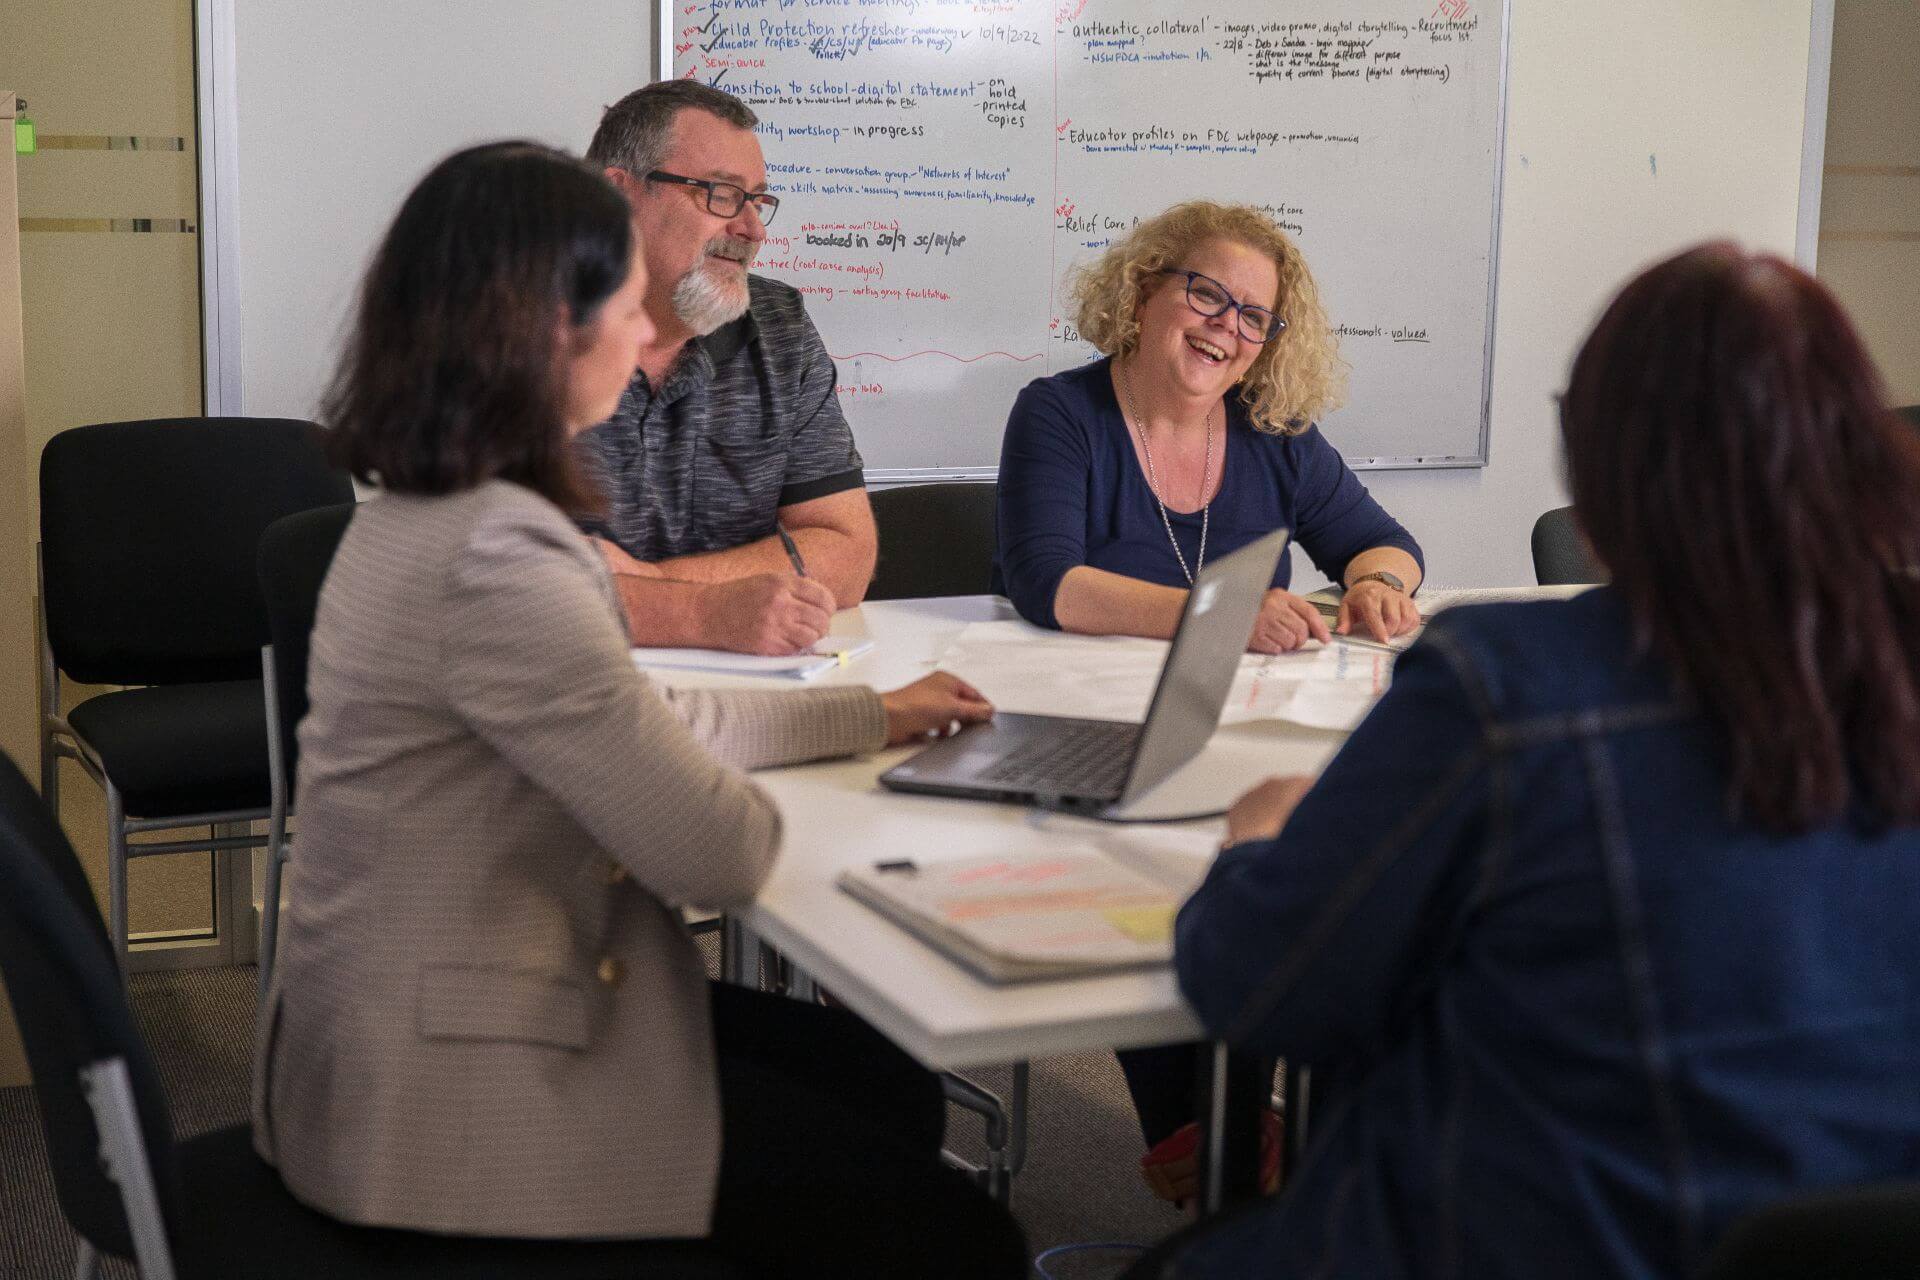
(1208, 297)
(724, 199)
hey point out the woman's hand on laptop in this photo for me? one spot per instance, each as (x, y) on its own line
(932, 707)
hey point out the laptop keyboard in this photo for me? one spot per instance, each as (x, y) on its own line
(1087, 759)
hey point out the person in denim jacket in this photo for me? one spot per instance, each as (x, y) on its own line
(1605, 919)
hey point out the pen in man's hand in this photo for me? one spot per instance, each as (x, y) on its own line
(793, 550)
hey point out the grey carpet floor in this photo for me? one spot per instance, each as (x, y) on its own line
(1079, 1184)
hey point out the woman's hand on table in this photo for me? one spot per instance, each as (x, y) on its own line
(1286, 622)
(932, 707)
(1375, 609)
(1261, 812)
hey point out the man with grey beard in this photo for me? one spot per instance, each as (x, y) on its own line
(730, 431)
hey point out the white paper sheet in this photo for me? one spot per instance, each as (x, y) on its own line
(1027, 669)
(1437, 599)
(1322, 686)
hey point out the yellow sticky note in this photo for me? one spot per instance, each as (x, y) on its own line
(1142, 924)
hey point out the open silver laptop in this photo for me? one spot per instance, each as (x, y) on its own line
(1089, 766)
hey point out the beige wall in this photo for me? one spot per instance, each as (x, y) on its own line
(1870, 200)
(112, 319)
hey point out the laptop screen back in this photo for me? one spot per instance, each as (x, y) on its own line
(1213, 633)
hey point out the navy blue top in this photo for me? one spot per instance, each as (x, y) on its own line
(1577, 1018)
(1072, 493)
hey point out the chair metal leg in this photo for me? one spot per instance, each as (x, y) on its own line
(49, 697)
(996, 1176)
(235, 930)
(123, 1152)
(117, 876)
(798, 984)
(1017, 1119)
(86, 1262)
(49, 772)
(276, 822)
(270, 911)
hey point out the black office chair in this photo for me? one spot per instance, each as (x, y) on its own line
(207, 1206)
(935, 540)
(1560, 555)
(1911, 412)
(295, 554)
(1854, 1233)
(147, 539)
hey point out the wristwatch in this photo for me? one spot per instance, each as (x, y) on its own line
(1380, 575)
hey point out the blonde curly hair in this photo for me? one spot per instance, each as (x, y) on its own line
(1296, 377)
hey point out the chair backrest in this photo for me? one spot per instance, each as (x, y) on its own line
(935, 540)
(72, 1012)
(295, 554)
(1855, 1233)
(147, 539)
(1560, 557)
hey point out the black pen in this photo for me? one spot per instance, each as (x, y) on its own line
(793, 550)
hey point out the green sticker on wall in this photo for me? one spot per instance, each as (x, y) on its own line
(23, 141)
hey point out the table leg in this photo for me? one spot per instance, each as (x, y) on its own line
(1231, 1095)
(1298, 1109)
(739, 953)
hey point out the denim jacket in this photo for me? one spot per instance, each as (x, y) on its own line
(1582, 1017)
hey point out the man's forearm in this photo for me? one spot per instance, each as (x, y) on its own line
(663, 613)
(838, 561)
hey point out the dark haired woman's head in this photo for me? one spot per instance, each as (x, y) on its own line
(1734, 464)
(494, 320)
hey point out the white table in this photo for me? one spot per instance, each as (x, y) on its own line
(837, 816)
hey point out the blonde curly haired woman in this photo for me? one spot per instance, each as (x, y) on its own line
(1192, 438)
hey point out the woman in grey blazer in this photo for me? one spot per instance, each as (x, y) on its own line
(487, 1018)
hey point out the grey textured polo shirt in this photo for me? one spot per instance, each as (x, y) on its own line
(746, 423)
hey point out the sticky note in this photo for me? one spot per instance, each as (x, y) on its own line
(23, 137)
(1142, 924)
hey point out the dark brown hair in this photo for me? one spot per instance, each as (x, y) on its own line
(1734, 464)
(451, 377)
(634, 132)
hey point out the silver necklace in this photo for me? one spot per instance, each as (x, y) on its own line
(1153, 481)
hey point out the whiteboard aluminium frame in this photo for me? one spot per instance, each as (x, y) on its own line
(881, 476)
(1479, 457)
(1813, 136)
(217, 147)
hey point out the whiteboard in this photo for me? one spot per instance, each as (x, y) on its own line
(944, 164)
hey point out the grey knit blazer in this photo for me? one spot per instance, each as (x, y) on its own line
(486, 1016)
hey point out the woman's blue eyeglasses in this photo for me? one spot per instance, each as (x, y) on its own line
(1208, 297)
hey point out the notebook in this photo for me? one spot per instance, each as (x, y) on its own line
(1025, 917)
(827, 653)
